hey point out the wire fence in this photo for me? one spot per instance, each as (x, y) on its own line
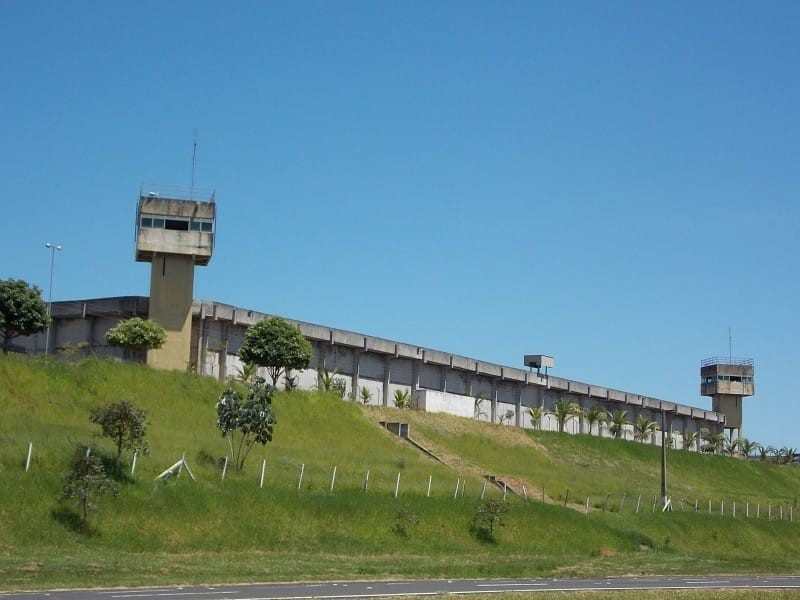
(383, 482)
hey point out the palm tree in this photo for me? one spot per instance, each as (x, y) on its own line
(365, 394)
(619, 419)
(765, 452)
(246, 373)
(713, 441)
(564, 410)
(478, 405)
(689, 438)
(325, 379)
(575, 412)
(749, 447)
(596, 414)
(536, 413)
(786, 455)
(402, 399)
(732, 445)
(643, 428)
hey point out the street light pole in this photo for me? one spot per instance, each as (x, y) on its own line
(53, 248)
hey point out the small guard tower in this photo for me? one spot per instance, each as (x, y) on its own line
(175, 230)
(727, 381)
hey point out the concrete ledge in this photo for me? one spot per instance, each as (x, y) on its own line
(490, 369)
(435, 357)
(576, 387)
(463, 363)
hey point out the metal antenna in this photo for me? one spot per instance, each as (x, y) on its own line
(730, 346)
(194, 159)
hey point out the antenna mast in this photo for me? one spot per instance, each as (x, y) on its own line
(194, 158)
(730, 345)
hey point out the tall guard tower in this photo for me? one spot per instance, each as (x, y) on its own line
(727, 381)
(174, 232)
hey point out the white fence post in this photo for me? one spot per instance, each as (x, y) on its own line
(758, 511)
(224, 468)
(263, 468)
(28, 460)
(366, 481)
(586, 509)
(333, 477)
(430, 479)
(300, 478)
(133, 462)
(483, 490)
(638, 502)
(734, 509)
(458, 483)
(524, 492)
(397, 486)
(505, 489)
(622, 502)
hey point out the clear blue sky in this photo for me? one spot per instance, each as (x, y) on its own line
(612, 183)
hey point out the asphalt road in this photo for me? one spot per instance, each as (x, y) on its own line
(369, 589)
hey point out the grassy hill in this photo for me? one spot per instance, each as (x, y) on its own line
(210, 530)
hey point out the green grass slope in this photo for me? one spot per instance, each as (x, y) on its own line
(210, 530)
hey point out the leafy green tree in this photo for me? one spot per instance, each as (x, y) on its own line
(487, 516)
(536, 413)
(246, 421)
(643, 427)
(137, 334)
(564, 410)
(619, 419)
(125, 425)
(596, 414)
(325, 379)
(86, 481)
(277, 345)
(22, 310)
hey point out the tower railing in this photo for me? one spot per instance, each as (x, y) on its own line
(726, 360)
(176, 192)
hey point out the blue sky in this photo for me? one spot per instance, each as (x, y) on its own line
(612, 183)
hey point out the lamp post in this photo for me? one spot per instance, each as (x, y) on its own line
(53, 248)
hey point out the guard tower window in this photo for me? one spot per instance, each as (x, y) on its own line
(176, 224)
(147, 222)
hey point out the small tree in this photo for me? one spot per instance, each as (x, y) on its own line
(137, 334)
(125, 425)
(365, 395)
(246, 421)
(596, 414)
(22, 310)
(86, 481)
(565, 410)
(487, 516)
(619, 419)
(643, 428)
(689, 438)
(402, 399)
(749, 447)
(506, 417)
(536, 413)
(275, 344)
(478, 405)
